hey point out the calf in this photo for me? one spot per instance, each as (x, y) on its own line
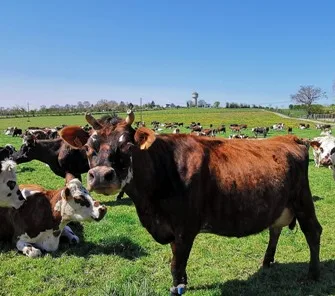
(38, 224)
(164, 176)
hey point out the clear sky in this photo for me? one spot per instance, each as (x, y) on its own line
(251, 51)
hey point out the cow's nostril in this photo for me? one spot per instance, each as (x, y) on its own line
(109, 176)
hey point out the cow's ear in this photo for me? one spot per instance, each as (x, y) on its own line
(75, 136)
(66, 193)
(144, 137)
(315, 144)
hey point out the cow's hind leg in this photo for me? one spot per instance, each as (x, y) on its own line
(28, 249)
(312, 231)
(269, 257)
(181, 251)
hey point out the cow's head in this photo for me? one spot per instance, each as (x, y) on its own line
(109, 149)
(322, 147)
(26, 151)
(78, 205)
(10, 194)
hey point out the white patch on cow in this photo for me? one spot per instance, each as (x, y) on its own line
(129, 176)
(26, 192)
(9, 197)
(285, 218)
(94, 136)
(121, 139)
(45, 240)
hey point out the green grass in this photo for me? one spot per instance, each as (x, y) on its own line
(117, 256)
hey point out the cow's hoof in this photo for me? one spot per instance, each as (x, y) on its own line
(179, 290)
(74, 240)
(33, 252)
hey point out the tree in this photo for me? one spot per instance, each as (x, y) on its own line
(201, 103)
(307, 95)
(216, 104)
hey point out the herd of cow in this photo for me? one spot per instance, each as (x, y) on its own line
(267, 188)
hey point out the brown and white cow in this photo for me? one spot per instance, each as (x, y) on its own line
(38, 224)
(182, 185)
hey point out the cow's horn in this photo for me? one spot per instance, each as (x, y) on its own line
(130, 117)
(92, 121)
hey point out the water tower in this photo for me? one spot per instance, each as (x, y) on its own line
(195, 96)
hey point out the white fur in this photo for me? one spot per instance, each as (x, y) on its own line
(45, 240)
(129, 176)
(9, 198)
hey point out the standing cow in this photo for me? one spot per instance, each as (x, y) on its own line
(182, 185)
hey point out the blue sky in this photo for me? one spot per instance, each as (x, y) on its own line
(59, 52)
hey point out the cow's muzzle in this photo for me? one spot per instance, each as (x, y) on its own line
(103, 180)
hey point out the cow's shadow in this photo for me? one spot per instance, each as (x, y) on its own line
(125, 201)
(281, 279)
(317, 198)
(113, 245)
(25, 169)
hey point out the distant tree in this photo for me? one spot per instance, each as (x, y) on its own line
(216, 104)
(189, 103)
(290, 106)
(307, 95)
(201, 103)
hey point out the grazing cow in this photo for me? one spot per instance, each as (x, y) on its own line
(176, 131)
(164, 176)
(289, 130)
(17, 132)
(56, 153)
(304, 125)
(322, 146)
(10, 194)
(260, 131)
(38, 224)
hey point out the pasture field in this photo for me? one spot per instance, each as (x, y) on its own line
(117, 256)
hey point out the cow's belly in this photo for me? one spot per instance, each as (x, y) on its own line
(46, 240)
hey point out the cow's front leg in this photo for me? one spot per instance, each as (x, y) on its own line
(28, 249)
(69, 235)
(181, 251)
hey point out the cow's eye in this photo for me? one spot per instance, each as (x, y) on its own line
(321, 149)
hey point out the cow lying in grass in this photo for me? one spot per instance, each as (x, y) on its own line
(38, 224)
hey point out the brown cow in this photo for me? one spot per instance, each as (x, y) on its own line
(38, 224)
(250, 186)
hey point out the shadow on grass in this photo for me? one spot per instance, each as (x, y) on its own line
(317, 198)
(119, 245)
(125, 201)
(25, 169)
(281, 279)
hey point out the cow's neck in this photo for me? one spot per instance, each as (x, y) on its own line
(58, 205)
(45, 150)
